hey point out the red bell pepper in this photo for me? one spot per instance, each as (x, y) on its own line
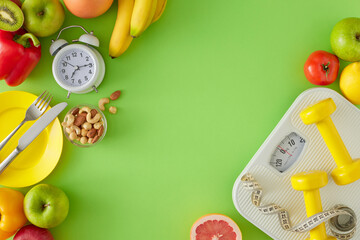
(18, 56)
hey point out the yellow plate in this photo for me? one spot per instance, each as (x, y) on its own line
(38, 160)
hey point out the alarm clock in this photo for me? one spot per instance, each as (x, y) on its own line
(78, 68)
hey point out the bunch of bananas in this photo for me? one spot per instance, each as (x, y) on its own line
(133, 18)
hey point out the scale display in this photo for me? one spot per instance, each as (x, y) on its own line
(287, 152)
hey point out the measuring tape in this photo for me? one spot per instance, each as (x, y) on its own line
(340, 231)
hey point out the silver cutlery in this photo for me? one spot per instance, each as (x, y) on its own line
(33, 132)
(36, 109)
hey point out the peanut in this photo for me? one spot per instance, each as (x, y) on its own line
(72, 136)
(84, 140)
(87, 126)
(112, 109)
(84, 132)
(98, 125)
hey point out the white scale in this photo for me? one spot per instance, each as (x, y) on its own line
(294, 147)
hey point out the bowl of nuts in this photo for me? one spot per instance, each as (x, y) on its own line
(84, 125)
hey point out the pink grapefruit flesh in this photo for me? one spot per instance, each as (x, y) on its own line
(215, 227)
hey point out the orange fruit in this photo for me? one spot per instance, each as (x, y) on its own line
(88, 8)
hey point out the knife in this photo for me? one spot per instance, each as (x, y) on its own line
(33, 132)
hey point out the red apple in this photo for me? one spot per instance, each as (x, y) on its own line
(31, 232)
(17, 2)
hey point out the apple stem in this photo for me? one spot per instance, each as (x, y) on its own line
(40, 13)
(326, 68)
(46, 205)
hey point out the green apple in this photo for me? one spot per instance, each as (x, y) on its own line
(345, 39)
(46, 206)
(43, 17)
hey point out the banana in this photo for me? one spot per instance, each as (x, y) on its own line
(142, 16)
(120, 38)
(152, 14)
(161, 4)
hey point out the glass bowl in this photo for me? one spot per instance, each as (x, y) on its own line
(77, 141)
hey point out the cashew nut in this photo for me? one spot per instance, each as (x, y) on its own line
(95, 119)
(84, 132)
(68, 130)
(84, 140)
(69, 120)
(72, 136)
(102, 102)
(112, 109)
(76, 128)
(85, 109)
(98, 125)
(87, 126)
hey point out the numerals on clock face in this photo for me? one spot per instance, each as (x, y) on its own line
(76, 67)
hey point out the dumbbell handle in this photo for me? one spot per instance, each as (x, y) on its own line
(313, 206)
(310, 183)
(334, 142)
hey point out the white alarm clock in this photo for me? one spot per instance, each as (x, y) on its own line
(78, 68)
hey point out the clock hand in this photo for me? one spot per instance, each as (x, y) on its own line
(74, 72)
(76, 69)
(84, 65)
(68, 63)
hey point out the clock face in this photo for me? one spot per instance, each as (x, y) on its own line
(75, 67)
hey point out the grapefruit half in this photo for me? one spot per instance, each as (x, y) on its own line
(215, 227)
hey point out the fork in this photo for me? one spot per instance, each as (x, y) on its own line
(36, 109)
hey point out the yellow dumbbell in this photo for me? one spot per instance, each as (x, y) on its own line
(310, 183)
(347, 170)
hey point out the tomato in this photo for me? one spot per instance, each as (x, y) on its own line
(321, 68)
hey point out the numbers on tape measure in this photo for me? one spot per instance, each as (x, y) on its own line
(342, 220)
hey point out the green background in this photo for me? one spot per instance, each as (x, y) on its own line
(202, 89)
